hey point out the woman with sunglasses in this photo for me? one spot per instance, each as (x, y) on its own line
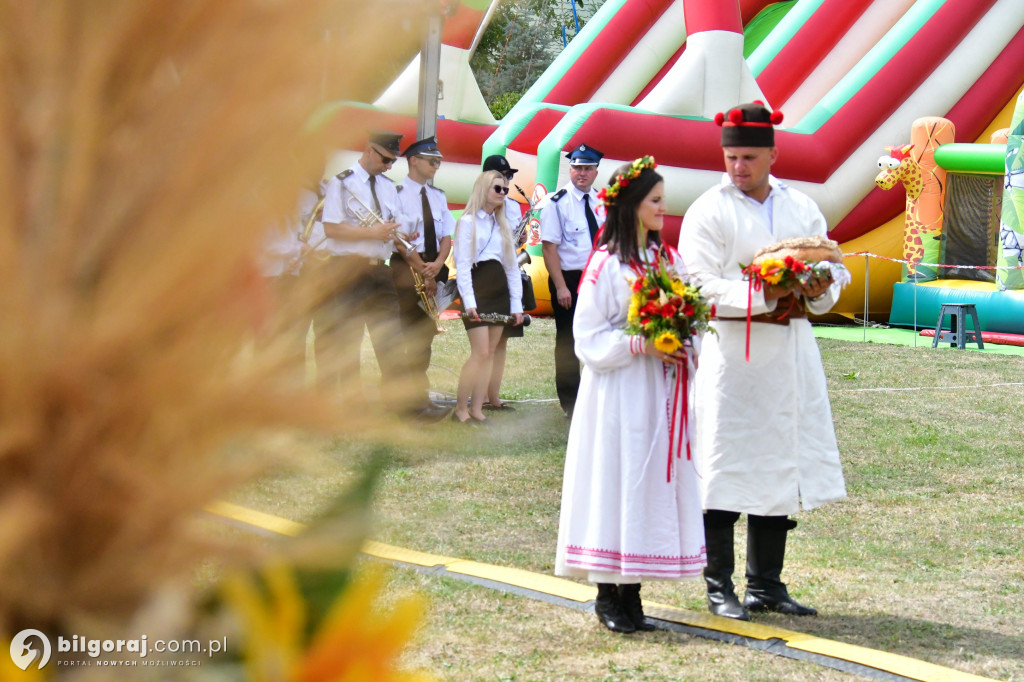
(489, 282)
(631, 507)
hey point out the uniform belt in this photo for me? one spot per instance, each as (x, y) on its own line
(788, 308)
(361, 259)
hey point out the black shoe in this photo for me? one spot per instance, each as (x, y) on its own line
(431, 413)
(609, 610)
(766, 549)
(629, 597)
(781, 604)
(722, 599)
(504, 407)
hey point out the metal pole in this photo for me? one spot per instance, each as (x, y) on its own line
(867, 279)
(914, 280)
(483, 26)
(430, 76)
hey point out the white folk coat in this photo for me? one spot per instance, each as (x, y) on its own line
(622, 519)
(765, 440)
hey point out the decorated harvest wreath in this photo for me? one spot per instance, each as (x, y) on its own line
(608, 194)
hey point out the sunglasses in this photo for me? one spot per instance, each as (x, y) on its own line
(500, 190)
(433, 161)
(386, 159)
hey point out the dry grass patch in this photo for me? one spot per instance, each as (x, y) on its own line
(922, 559)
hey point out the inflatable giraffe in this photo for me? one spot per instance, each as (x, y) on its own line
(925, 182)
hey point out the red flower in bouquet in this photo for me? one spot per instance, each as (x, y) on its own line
(664, 309)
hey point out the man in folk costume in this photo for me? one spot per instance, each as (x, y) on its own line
(357, 246)
(766, 444)
(569, 222)
(429, 228)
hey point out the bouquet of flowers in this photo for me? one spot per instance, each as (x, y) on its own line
(794, 261)
(666, 310)
(787, 270)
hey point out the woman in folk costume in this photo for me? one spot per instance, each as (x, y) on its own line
(630, 498)
(489, 283)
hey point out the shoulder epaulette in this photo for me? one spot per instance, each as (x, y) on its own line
(559, 194)
(344, 174)
(384, 177)
(436, 189)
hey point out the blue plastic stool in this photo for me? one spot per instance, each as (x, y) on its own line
(957, 335)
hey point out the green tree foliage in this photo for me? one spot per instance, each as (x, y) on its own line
(521, 41)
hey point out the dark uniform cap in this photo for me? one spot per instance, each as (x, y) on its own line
(388, 140)
(584, 155)
(425, 147)
(497, 162)
(749, 125)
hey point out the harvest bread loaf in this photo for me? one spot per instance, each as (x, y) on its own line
(807, 249)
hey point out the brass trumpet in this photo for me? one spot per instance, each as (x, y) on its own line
(307, 229)
(368, 217)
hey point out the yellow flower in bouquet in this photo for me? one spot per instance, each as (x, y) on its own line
(357, 640)
(664, 309)
(667, 342)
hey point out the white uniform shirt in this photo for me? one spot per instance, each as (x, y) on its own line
(411, 206)
(488, 246)
(282, 248)
(340, 206)
(765, 440)
(564, 222)
(513, 213)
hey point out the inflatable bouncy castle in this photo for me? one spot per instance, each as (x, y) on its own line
(962, 231)
(648, 76)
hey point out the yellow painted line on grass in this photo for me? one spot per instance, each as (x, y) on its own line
(538, 582)
(573, 591)
(251, 517)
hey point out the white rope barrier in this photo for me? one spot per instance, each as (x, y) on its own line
(920, 388)
(867, 270)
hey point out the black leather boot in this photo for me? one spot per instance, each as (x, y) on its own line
(766, 549)
(629, 597)
(609, 609)
(722, 599)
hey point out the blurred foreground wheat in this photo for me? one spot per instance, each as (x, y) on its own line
(146, 146)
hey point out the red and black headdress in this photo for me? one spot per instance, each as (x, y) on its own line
(749, 125)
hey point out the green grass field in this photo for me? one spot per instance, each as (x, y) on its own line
(924, 558)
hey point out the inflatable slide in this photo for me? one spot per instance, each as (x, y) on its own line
(647, 76)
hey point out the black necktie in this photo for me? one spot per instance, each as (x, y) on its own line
(373, 193)
(591, 219)
(429, 235)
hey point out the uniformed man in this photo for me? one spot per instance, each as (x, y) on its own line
(569, 222)
(429, 227)
(361, 216)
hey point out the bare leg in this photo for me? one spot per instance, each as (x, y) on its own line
(476, 409)
(497, 373)
(475, 373)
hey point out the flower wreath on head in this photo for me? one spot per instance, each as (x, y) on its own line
(607, 195)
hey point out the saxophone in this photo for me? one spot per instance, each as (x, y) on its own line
(498, 318)
(522, 257)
